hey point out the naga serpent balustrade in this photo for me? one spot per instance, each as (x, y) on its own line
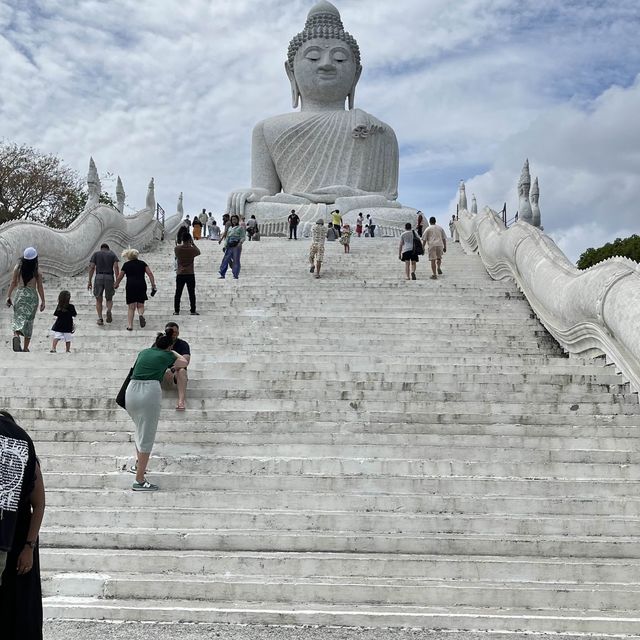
(595, 310)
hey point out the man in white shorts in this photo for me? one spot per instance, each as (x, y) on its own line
(435, 241)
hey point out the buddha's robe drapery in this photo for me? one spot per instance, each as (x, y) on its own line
(338, 148)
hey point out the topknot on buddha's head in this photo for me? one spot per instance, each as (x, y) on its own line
(323, 21)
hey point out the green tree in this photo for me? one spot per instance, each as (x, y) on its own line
(625, 247)
(39, 187)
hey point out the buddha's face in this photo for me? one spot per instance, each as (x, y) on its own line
(325, 70)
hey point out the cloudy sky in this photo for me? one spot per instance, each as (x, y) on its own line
(172, 89)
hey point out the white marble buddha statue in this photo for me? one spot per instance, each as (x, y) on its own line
(324, 153)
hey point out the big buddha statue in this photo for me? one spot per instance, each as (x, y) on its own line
(324, 156)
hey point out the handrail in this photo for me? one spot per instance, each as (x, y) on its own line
(66, 252)
(511, 221)
(160, 215)
(590, 311)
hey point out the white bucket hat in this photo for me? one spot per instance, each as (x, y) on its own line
(30, 253)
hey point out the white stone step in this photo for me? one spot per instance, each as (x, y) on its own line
(298, 447)
(467, 485)
(419, 566)
(302, 540)
(627, 505)
(313, 466)
(493, 618)
(340, 589)
(190, 522)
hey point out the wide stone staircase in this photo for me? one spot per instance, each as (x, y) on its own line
(356, 450)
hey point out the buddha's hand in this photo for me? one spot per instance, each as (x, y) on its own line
(238, 199)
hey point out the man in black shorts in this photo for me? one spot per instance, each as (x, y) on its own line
(105, 265)
(178, 377)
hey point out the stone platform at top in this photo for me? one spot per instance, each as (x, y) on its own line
(324, 156)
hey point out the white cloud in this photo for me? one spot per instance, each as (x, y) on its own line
(588, 161)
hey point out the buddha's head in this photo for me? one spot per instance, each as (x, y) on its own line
(323, 62)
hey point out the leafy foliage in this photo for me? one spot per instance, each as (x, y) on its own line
(39, 187)
(625, 247)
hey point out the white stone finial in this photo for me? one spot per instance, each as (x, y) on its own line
(151, 196)
(120, 196)
(535, 208)
(474, 203)
(180, 206)
(93, 185)
(462, 198)
(524, 185)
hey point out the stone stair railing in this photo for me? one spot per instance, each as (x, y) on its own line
(590, 312)
(67, 252)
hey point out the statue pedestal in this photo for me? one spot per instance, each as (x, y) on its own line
(272, 216)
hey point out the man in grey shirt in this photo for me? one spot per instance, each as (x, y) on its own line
(104, 264)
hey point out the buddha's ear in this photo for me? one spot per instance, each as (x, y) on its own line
(295, 92)
(352, 93)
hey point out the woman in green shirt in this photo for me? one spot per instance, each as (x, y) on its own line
(143, 398)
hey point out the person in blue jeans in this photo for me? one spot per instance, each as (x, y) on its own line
(233, 238)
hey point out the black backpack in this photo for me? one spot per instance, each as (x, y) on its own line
(418, 249)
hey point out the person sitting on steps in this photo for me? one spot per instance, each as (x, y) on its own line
(178, 377)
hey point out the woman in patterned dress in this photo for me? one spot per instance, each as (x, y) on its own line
(28, 281)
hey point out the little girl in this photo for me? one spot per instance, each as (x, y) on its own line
(345, 238)
(63, 326)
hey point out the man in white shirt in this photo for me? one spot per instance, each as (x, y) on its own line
(435, 239)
